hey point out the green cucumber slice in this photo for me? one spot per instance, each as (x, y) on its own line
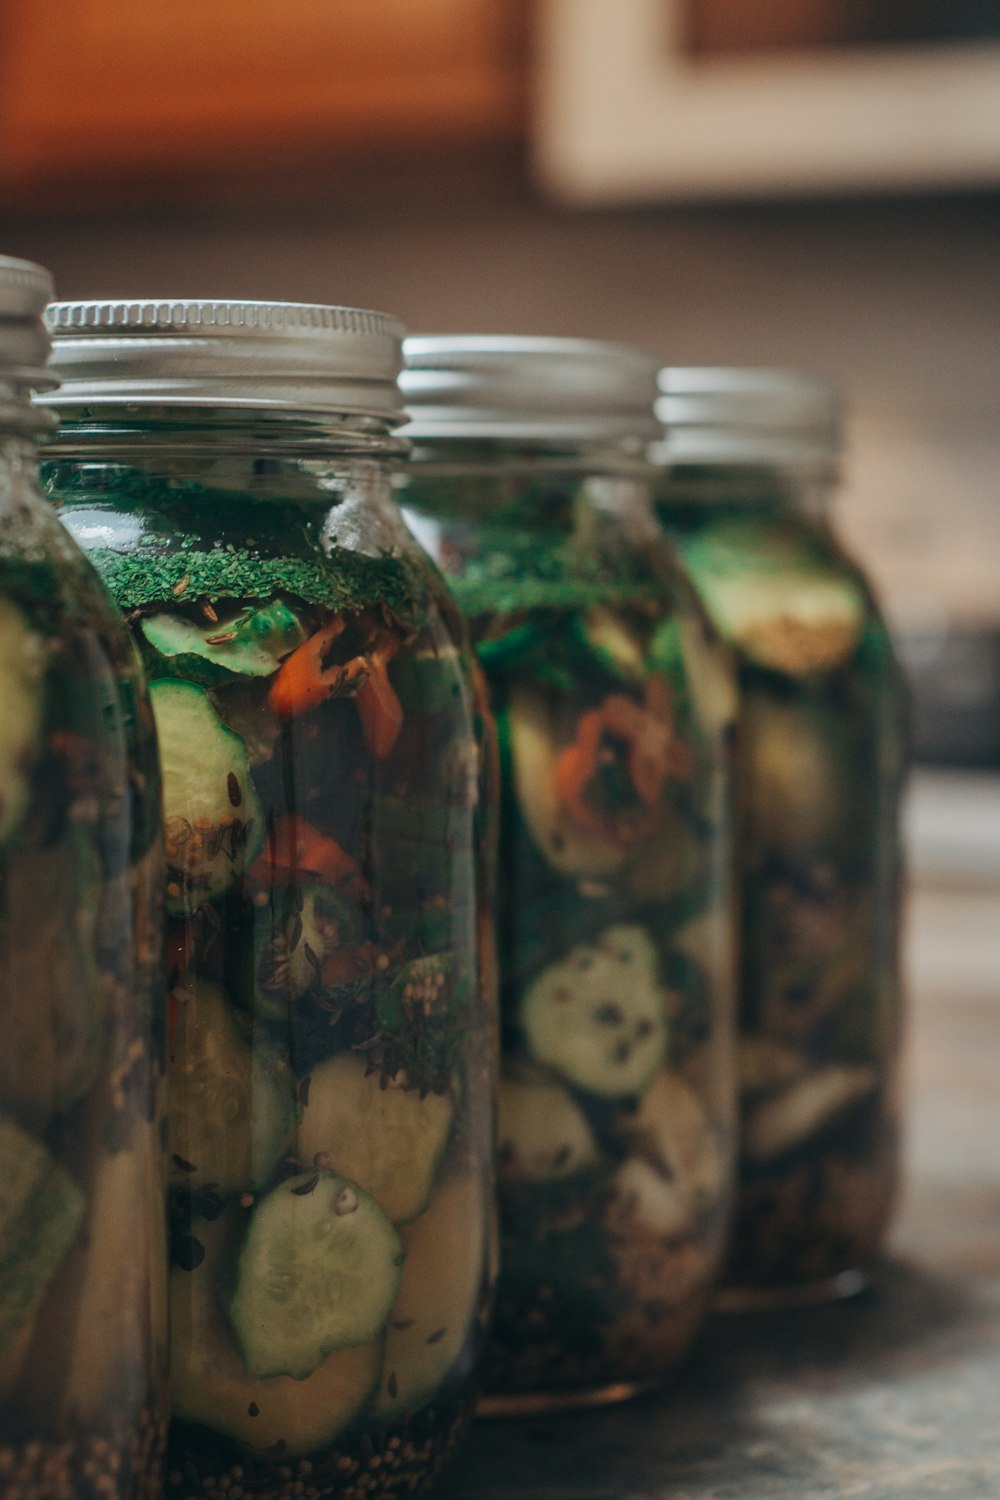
(772, 592)
(318, 1271)
(249, 643)
(22, 667)
(296, 933)
(432, 679)
(437, 1308)
(41, 1209)
(231, 1100)
(598, 1017)
(211, 1385)
(544, 1135)
(672, 1133)
(213, 819)
(389, 1141)
(800, 793)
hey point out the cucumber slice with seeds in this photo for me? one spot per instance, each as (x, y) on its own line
(438, 1303)
(212, 815)
(544, 1135)
(598, 1016)
(250, 643)
(232, 1101)
(389, 1141)
(318, 1271)
(211, 1385)
(776, 597)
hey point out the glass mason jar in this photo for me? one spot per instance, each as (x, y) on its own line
(332, 1040)
(614, 705)
(750, 460)
(82, 1211)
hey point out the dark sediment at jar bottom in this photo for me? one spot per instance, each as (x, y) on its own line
(815, 1221)
(367, 1466)
(591, 1303)
(121, 1462)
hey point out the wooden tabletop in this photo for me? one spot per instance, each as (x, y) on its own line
(893, 1393)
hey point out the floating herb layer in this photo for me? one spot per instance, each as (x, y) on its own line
(614, 926)
(823, 757)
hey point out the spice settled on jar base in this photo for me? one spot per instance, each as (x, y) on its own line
(82, 1310)
(332, 1048)
(750, 456)
(614, 705)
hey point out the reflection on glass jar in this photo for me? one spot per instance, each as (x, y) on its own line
(82, 1315)
(332, 1045)
(750, 456)
(615, 707)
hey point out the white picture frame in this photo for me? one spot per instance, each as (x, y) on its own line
(623, 115)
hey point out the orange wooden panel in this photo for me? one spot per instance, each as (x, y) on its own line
(119, 87)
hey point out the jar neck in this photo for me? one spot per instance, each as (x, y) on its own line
(147, 435)
(808, 488)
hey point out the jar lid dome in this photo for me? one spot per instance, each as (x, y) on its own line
(290, 356)
(713, 414)
(533, 390)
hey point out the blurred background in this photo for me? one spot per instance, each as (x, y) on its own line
(802, 182)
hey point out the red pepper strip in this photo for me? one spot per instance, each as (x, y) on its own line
(345, 964)
(654, 755)
(303, 679)
(294, 847)
(379, 708)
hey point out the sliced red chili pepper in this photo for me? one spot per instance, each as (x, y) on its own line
(379, 708)
(295, 848)
(307, 678)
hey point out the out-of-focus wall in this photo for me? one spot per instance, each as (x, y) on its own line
(899, 298)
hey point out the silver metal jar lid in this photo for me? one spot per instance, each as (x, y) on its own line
(290, 356)
(24, 343)
(714, 414)
(533, 390)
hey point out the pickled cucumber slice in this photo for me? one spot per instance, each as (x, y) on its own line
(212, 1386)
(232, 1100)
(249, 643)
(438, 1303)
(797, 776)
(775, 597)
(619, 648)
(318, 1271)
(791, 1118)
(41, 1209)
(544, 1135)
(598, 1016)
(54, 1037)
(106, 1310)
(212, 815)
(389, 1141)
(672, 1132)
(22, 667)
(537, 730)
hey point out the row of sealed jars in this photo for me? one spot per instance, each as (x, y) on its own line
(329, 784)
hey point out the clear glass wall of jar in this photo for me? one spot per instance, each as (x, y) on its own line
(82, 1221)
(750, 463)
(615, 706)
(332, 1030)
